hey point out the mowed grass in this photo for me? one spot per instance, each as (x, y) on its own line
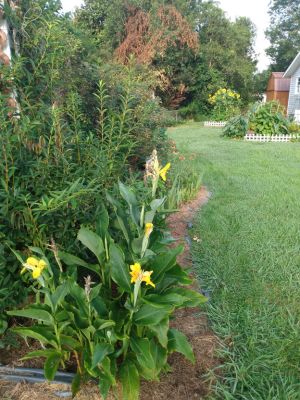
(249, 259)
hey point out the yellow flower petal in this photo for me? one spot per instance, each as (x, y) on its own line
(135, 271)
(34, 262)
(147, 278)
(163, 171)
(42, 264)
(36, 273)
(136, 267)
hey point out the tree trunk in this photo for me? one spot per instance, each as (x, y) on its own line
(5, 60)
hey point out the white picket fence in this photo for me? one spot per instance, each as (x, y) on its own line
(267, 138)
(217, 124)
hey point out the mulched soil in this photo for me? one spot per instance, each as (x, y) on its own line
(186, 381)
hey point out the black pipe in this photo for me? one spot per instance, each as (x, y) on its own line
(34, 375)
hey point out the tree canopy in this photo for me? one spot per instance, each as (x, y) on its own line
(191, 46)
(283, 33)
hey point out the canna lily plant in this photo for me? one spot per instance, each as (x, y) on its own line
(115, 323)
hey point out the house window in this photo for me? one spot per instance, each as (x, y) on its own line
(298, 86)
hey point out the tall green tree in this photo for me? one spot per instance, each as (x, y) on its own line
(226, 55)
(283, 33)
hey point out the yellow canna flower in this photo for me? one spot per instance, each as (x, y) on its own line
(138, 274)
(163, 171)
(36, 273)
(146, 277)
(135, 271)
(148, 228)
(34, 262)
(35, 266)
(42, 264)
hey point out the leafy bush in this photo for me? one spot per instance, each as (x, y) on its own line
(67, 144)
(149, 119)
(115, 325)
(72, 138)
(294, 128)
(171, 117)
(262, 118)
(236, 127)
(53, 179)
(226, 104)
(191, 110)
(269, 119)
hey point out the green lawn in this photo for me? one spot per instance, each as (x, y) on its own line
(249, 259)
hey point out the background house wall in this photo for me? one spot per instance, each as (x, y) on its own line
(294, 98)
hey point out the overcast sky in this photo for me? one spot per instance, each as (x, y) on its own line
(256, 10)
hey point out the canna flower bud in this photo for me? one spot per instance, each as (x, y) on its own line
(148, 229)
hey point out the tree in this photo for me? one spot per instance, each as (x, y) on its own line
(156, 33)
(283, 33)
(151, 34)
(191, 45)
(260, 82)
(226, 56)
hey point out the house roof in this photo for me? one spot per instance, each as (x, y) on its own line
(278, 83)
(293, 67)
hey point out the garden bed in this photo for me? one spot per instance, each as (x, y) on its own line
(186, 381)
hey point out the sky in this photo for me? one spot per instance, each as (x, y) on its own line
(256, 10)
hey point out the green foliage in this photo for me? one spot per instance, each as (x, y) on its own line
(116, 325)
(186, 183)
(236, 126)
(226, 56)
(194, 111)
(261, 82)
(51, 186)
(262, 118)
(148, 119)
(225, 104)
(294, 128)
(73, 137)
(283, 33)
(269, 119)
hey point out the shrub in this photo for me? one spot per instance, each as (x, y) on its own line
(269, 119)
(236, 127)
(226, 104)
(193, 110)
(53, 179)
(116, 324)
(294, 128)
(149, 119)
